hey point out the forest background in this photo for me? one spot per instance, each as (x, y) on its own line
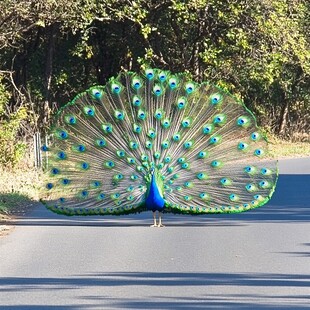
(50, 50)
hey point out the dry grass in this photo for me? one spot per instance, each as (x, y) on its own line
(284, 149)
(18, 189)
(20, 186)
(26, 182)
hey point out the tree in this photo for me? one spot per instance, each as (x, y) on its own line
(259, 50)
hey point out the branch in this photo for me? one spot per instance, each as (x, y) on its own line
(5, 72)
(6, 18)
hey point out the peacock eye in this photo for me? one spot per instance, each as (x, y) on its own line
(63, 134)
(149, 74)
(216, 164)
(99, 142)
(188, 144)
(96, 93)
(116, 88)
(214, 140)
(141, 115)
(44, 148)
(70, 119)
(136, 101)
(55, 171)
(136, 83)
(243, 121)
(216, 99)
(189, 87)
(85, 165)
(202, 154)
(165, 123)
(61, 155)
(157, 90)
(172, 83)
(168, 159)
(165, 144)
(255, 136)
(133, 145)
(258, 152)
(162, 76)
(49, 185)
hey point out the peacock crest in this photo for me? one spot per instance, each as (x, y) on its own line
(195, 143)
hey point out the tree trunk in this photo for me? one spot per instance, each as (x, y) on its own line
(48, 75)
(283, 118)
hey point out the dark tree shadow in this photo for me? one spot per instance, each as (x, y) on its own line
(174, 281)
(301, 254)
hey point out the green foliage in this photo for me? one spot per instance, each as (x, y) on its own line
(11, 150)
(259, 49)
(4, 97)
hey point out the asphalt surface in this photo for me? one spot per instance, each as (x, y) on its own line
(254, 260)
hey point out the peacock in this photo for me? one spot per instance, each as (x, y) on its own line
(157, 141)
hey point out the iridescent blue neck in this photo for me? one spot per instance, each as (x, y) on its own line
(154, 200)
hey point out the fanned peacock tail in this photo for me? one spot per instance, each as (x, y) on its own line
(203, 146)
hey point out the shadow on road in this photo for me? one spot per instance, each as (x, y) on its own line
(290, 203)
(300, 254)
(184, 282)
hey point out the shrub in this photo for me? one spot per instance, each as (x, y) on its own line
(11, 148)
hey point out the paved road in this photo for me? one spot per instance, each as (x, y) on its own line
(254, 260)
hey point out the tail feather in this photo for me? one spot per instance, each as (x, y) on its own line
(204, 145)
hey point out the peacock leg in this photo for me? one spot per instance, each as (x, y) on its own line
(154, 219)
(160, 214)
